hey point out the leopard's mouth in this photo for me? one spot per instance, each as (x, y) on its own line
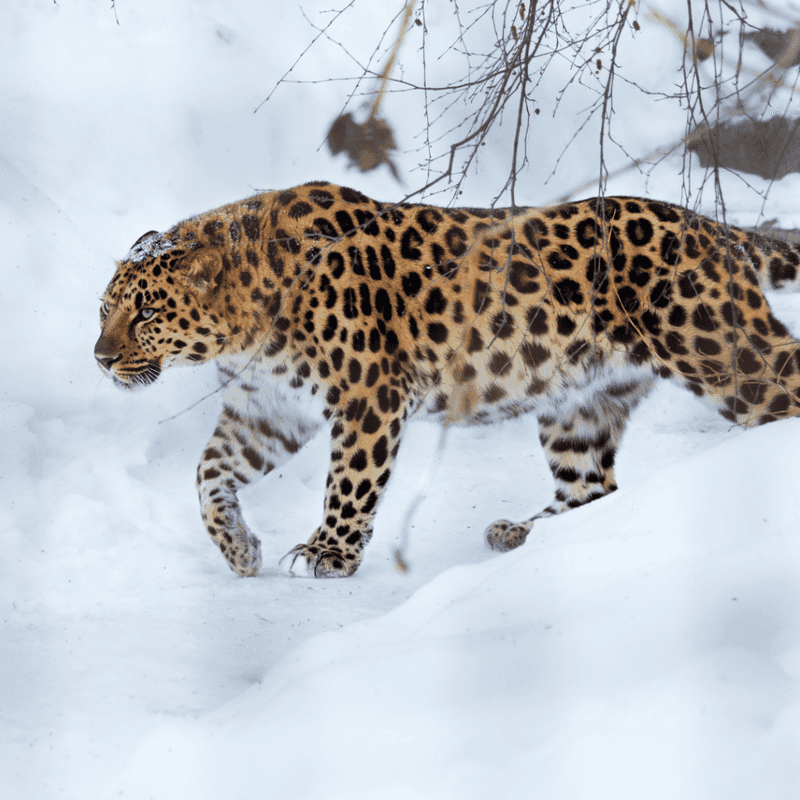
(132, 378)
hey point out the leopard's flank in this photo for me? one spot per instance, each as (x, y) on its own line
(322, 306)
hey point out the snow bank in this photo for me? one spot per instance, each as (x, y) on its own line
(646, 646)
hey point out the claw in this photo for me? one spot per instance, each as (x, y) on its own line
(315, 560)
(296, 551)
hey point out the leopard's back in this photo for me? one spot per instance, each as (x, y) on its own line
(485, 314)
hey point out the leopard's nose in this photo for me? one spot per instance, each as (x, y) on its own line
(107, 361)
(106, 356)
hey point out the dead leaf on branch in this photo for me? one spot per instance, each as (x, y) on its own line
(367, 144)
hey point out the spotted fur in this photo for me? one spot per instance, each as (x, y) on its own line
(321, 305)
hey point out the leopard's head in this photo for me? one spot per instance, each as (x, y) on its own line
(159, 310)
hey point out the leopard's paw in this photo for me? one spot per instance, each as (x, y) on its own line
(504, 535)
(244, 554)
(321, 561)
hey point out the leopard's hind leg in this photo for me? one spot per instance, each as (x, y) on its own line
(580, 441)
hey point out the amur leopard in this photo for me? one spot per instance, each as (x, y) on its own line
(377, 311)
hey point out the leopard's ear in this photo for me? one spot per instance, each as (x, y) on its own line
(204, 269)
(143, 237)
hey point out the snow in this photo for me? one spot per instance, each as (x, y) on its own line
(656, 659)
(647, 645)
(148, 246)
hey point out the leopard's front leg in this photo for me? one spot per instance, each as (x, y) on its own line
(242, 449)
(363, 449)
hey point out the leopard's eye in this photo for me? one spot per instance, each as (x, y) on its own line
(146, 313)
